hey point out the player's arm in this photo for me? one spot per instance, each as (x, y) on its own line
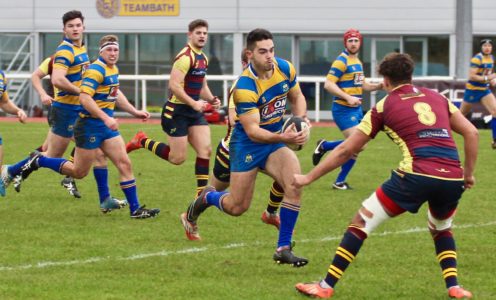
(251, 125)
(9, 107)
(124, 104)
(36, 78)
(61, 82)
(462, 126)
(298, 102)
(337, 157)
(369, 87)
(332, 88)
(472, 75)
(176, 83)
(206, 94)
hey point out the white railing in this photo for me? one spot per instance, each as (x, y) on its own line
(228, 79)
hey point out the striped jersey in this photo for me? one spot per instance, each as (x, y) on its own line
(418, 121)
(101, 82)
(3, 86)
(75, 60)
(484, 65)
(267, 98)
(194, 64)
(347, 73)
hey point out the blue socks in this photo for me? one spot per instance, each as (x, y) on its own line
(345, 170)
(129, 189)
(15, 170)
(288, 214)
(101, 177)
(330, 145)
(493, 127)
(52, 163)
(215, 198)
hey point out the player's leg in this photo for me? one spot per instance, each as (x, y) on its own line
(199, 138)
(375, 210)
(489, 102)
(2, 184)
(442, 209)
(221, 173)
(100, 172)
(270, 215)
(281, 165)
(234, 203)
(348, 127)
(114, 148)
(68, 182)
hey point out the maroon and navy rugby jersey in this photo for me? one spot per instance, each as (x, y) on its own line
(418, 121)
(194, 64)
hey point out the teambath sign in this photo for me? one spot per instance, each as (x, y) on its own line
(133, 8)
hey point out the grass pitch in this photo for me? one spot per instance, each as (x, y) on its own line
(54, 246)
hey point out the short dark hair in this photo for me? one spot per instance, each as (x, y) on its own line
(397, 67)
(71, 15)
(257, 35)
(197, 23)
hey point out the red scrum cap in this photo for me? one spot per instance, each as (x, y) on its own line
(352, 33)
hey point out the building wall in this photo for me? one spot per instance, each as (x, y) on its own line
(283, 16)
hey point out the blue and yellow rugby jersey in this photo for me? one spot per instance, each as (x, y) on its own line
(264, 97)
(3, 86)
(347, 73)
(101, 82)
(194, 63)
(75, 60)
(484, 65)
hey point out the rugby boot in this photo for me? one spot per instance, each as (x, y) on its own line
(135, 142)
(286, 256)
(314, 290)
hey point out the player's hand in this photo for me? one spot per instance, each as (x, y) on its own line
(469, 182)
(111, 123)
(21, 115)
(215, 102)
(290, 136)
(200, 105)
(354, 101)
(143, 115)
(300, 181)
(46, 99)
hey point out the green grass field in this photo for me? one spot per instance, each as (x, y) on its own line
(56, 247)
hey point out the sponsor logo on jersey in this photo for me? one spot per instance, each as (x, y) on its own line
(274, 108)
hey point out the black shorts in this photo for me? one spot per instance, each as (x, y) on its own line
(177, 118)
(410, 191)
(222, 169)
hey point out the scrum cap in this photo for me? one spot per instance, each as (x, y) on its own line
(352, 33)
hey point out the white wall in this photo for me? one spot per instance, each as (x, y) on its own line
(291, 16)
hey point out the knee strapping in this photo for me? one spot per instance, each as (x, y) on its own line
(375, 214)
(439, 225)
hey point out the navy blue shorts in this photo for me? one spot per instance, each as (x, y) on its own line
(90, 133)
(177, 118)
(1, 141)
(410, 191)
(62, 121)
(222, 169)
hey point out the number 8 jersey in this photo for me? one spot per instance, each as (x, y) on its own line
(418, 121)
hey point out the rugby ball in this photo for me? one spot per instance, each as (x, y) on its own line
(300, 125)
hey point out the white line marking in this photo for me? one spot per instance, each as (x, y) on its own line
(47, 264)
